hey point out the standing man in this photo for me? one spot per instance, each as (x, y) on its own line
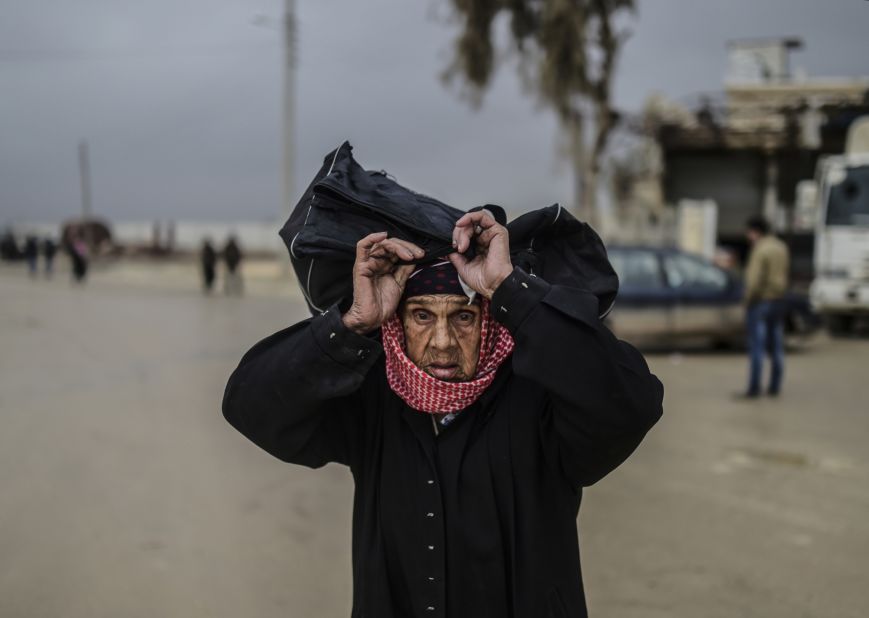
(766, 281)
(471, 422)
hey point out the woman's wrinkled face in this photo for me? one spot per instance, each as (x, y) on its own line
(442, 334)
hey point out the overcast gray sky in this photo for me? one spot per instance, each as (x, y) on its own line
(180, 101)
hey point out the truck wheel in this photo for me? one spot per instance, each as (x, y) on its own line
(840, 325)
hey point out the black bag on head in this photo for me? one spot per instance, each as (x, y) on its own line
(552, 244)
(344, 203)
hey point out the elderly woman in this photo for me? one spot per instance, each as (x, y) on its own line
(470, 424)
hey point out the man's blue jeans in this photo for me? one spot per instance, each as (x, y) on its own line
(765, 335)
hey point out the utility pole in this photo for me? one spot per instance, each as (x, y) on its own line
(289, 107)
(84, 170)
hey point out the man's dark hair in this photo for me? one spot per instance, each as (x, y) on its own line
(758, 224)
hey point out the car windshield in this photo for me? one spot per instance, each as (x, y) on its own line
(685, 271)
(636, 268)
(849, 198)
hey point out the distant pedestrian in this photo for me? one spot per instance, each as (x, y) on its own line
(208, 262)
(78, 254)
(9, 246)
(232, 256)
(49, 250)
(31, 254)
(766, 281)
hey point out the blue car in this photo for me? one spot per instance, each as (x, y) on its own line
(667, 296)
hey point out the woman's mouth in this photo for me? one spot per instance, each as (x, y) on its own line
(443, 372)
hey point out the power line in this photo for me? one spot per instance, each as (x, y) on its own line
(67, 55)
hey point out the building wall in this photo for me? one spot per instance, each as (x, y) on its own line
(734, 180)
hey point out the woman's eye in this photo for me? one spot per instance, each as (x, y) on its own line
(466, 317)
(422, 316)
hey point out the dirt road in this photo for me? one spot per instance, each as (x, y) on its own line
(123, 492)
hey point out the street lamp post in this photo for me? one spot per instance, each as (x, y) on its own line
(289, 193)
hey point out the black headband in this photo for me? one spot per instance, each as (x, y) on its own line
(437, 278)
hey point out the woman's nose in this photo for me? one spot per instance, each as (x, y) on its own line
(443, 337)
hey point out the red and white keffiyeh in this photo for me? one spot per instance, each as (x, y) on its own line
(426, 393)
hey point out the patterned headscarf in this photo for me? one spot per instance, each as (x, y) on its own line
(426, 393)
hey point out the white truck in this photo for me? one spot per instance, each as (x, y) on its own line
(840, 290)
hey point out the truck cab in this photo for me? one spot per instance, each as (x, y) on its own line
(840, 290)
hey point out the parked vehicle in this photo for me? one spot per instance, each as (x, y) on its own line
(671, 297)
(840, 291)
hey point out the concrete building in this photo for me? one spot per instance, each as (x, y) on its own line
(748, 151)
(747, 147)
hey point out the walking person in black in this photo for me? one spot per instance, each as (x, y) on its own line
(9, 246)
(31, 254)
(77, 249)
(232, 256)
(208, 262)
(49, 250)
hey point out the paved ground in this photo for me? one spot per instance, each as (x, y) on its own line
(124, 493)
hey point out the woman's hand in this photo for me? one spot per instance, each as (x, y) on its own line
(378, 280)
(492, 263)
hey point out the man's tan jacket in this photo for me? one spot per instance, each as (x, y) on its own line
(766, 276)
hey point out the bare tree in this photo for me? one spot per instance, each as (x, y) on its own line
(567, 55)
